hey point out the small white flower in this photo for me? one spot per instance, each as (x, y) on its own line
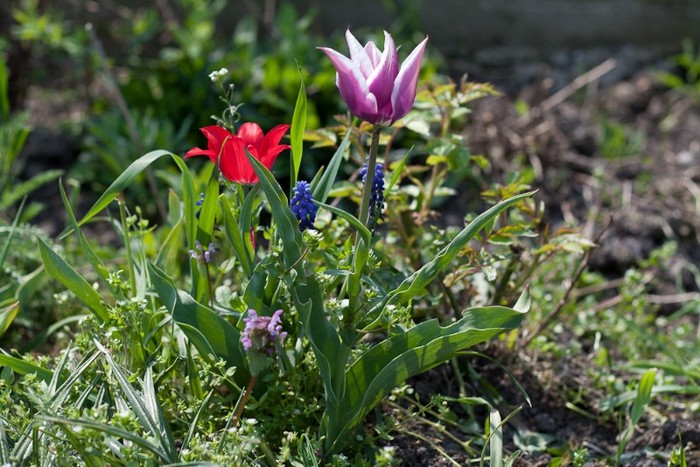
(215, 76)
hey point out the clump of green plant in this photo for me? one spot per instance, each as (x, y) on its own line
(686, 77)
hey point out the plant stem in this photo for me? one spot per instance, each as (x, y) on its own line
(243, 400)
(369, 178)
(127, 245)
(211, 291)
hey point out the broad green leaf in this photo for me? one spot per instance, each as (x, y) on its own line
(8, 312)
(390, 363)
(25, 368)
(207, 331)
(246, 219)
(124, 180)
(57, 268)
(287, 223)
(207, 216)
(306, 293)
(321, 190)
(235, 237)
(297, 130)
(412, 285)
(254, 294)
(189, 200)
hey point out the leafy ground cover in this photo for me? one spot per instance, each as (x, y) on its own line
(107, 335)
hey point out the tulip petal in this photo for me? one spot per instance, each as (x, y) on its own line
(404, 93)
(381, 81)
(373, 53)
(201, 152)
(270, 147)
(352, 86)
(250, 133)
(271, 155)
(235, 166)
(215, 138)
(358, 54)
(229, 164)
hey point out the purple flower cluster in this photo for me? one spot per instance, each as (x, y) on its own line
(376, 201)
(261, 332)
(202, 255)
(302, 205)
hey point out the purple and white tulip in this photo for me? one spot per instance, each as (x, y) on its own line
(371, 82)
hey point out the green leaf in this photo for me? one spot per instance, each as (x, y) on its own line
(119, 433)
(207, 216)
(8, 241)
(4, 443)
(321, 190)
(412, 285)
(25, 368)
(21, 190)
(145, 407)
(298, 127)
(125, 179)
(8, 312)
(646, 384)
(390, 363)
(87, 249)
(235, 237)
(495, 439)
(4, 94)
(330, 353)
(364, 232)
(171, 247)
(642, 399)
(207, 331)
(246, 219)
(57, 268)
(397, 172)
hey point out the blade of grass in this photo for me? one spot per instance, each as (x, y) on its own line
(297, 130)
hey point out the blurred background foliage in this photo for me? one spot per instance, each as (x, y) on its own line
(140, 74)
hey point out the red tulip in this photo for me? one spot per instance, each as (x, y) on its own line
(229, 149)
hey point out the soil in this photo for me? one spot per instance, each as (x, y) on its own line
(648, 189)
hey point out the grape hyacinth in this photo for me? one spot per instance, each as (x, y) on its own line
(376, 202)
(261, 332)
(302, 205)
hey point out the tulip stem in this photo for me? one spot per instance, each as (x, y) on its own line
(369, 177)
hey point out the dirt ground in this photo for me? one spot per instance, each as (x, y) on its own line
(647, 182)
